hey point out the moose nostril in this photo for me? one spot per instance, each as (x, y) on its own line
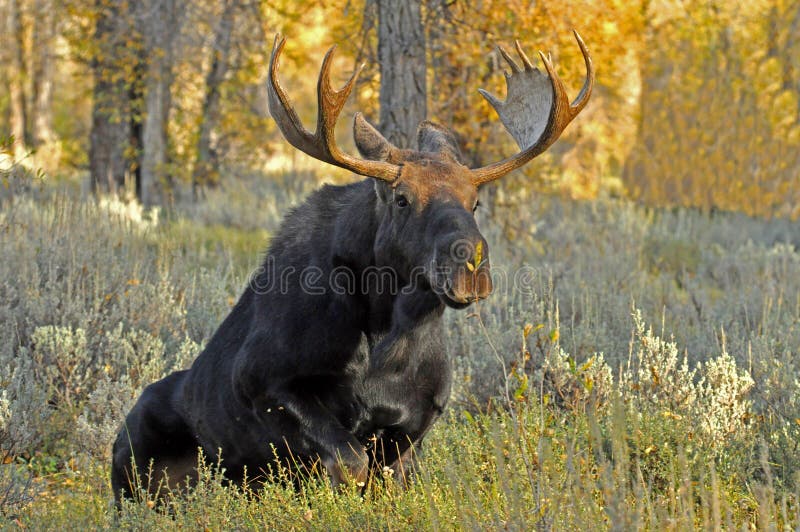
(468, 251)
(470, 284)
(462, 250)
(484, 284)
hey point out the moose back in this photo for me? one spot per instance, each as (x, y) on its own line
(379, 260)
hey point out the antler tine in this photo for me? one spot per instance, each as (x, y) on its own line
(586, 91)
(282, 110)
(510, 60)
(525, 60)
(534, 115)
(331, 101)
(322, 143)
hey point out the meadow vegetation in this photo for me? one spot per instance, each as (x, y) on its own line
(639, 367)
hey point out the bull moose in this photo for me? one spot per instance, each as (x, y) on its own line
(345, 380)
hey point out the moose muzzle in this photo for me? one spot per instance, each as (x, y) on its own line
(462, 274)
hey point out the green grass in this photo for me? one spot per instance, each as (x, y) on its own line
(643, 373)
(537, 468)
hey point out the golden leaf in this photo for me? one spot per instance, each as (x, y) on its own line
(527, 330)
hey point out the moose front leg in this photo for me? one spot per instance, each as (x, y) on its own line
(292, 412)
(305, 426)
(410, 311)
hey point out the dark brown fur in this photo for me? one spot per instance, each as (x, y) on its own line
(284, 375)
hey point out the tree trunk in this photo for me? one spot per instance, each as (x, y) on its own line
(791, 81)
(111, 126)
(633, 171)
(16, 78)
(43, 35)
(160, 25)
(206, 168)
(401, 52)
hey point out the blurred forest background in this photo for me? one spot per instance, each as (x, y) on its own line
(696, 102)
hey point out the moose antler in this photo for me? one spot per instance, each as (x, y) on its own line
(322, 143)
(536, 109)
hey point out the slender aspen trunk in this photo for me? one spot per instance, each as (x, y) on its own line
(44, 32)
(161, 27)
(110, 135)
(17, 77)
(206, 167)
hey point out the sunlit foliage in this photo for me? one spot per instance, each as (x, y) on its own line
(696, 102)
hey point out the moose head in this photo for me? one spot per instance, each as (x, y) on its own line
(427, 197)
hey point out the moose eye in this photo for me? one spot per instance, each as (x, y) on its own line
(401, 201)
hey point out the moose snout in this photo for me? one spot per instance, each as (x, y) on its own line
(464, 275)
(471, 285)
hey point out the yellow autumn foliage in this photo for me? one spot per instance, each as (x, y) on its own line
(697, 103)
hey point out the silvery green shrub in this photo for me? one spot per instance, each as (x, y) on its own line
(127, 299)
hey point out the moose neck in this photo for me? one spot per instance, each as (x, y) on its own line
(395, 304)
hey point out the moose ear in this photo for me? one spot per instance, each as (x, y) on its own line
(370, 143)
(432, 137)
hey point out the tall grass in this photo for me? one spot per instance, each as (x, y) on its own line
(637, 368)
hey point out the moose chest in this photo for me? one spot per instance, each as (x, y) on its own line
(401, 394)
